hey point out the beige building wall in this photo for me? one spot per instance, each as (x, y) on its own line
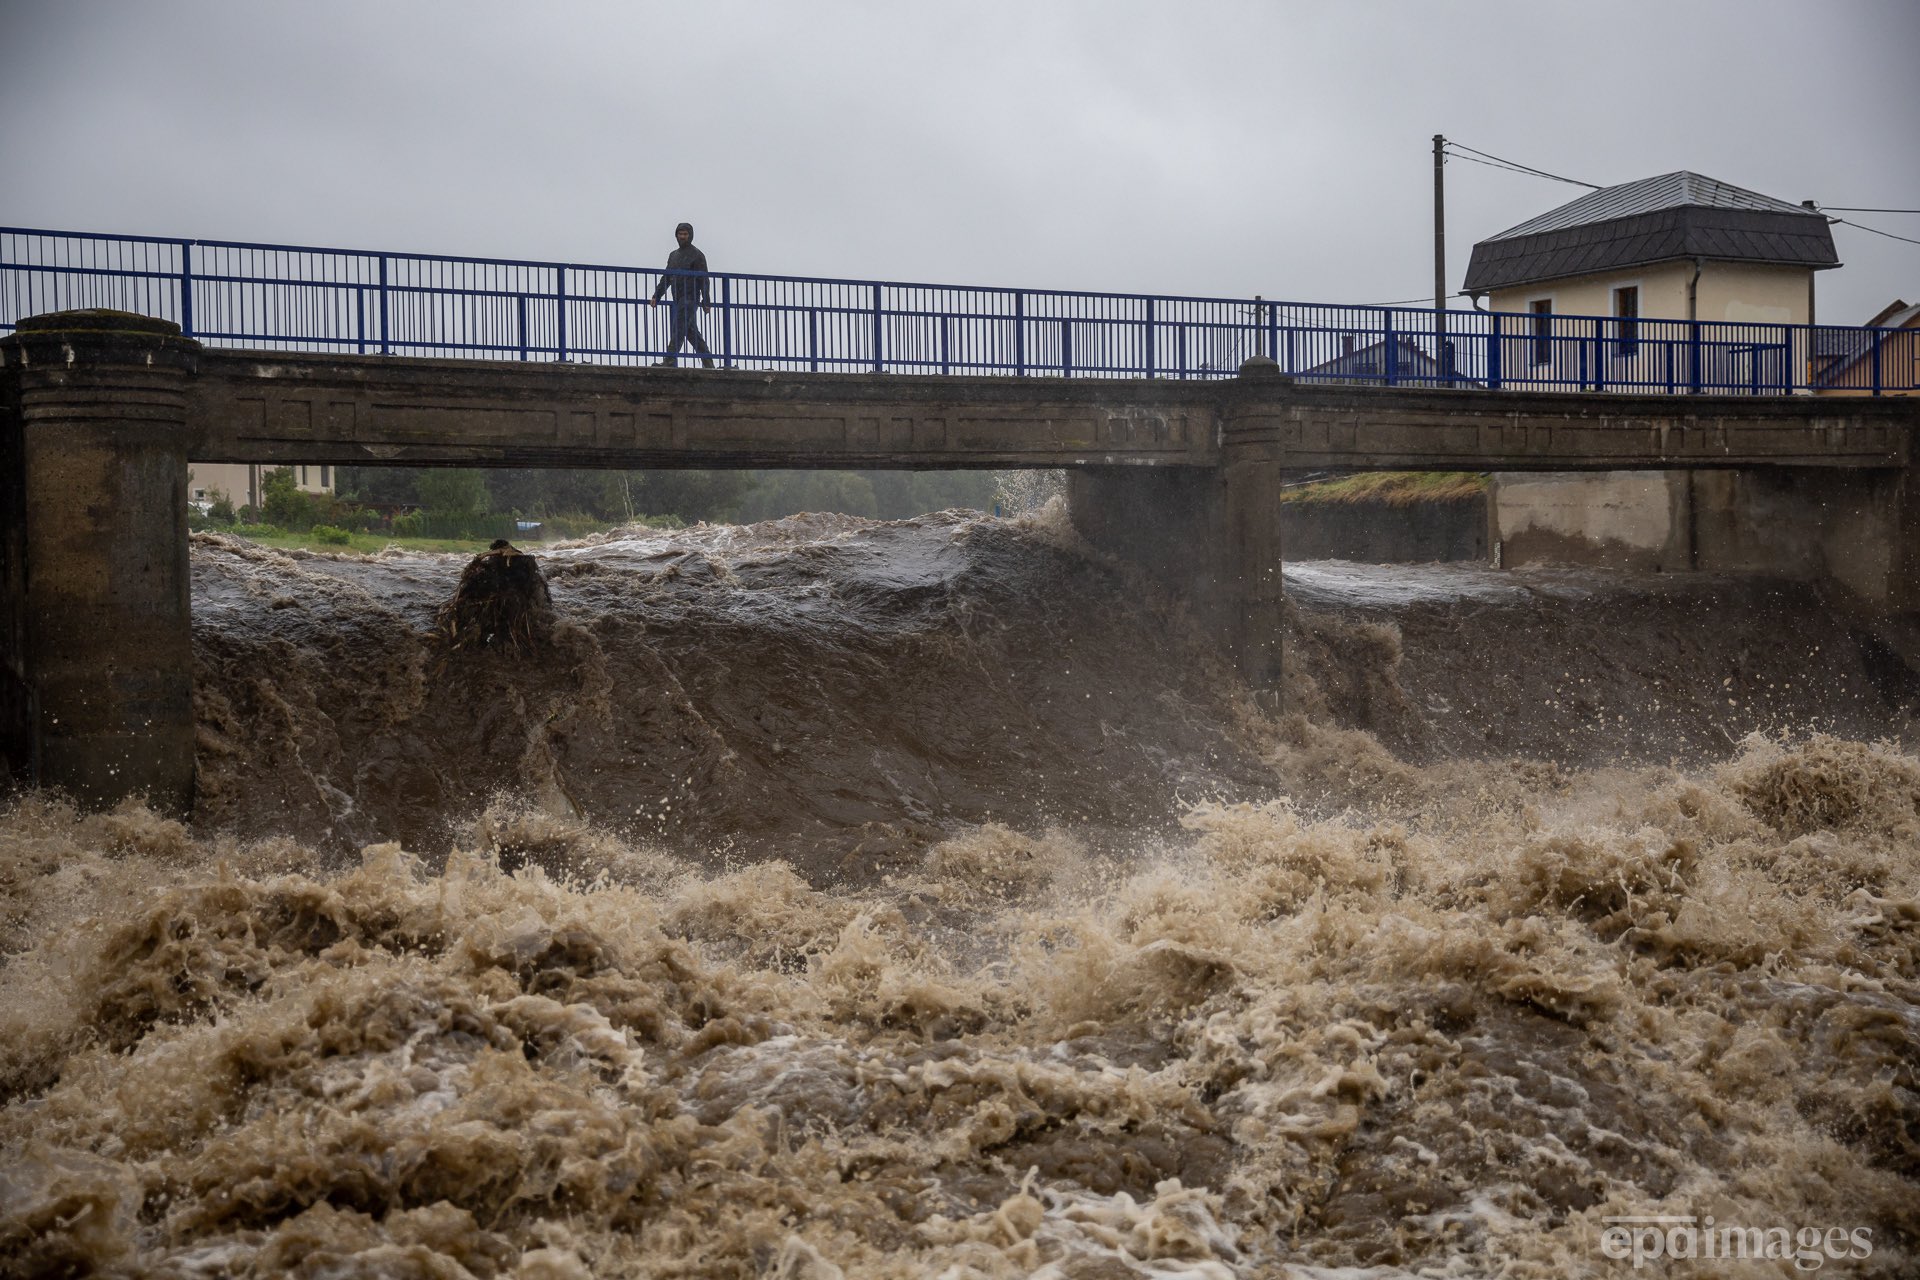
(239, 481)
(1663, 292)
(1657, 358)
(1748, 293)
(1737, 291)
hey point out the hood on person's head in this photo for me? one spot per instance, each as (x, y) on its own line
(686, 227)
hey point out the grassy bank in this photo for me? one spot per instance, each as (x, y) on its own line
(1394, 488)
(356, 543)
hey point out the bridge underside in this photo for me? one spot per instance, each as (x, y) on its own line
(100, 413)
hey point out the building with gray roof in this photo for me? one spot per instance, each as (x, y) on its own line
(1674, 217)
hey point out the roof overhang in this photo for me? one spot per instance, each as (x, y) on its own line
(1679, 234)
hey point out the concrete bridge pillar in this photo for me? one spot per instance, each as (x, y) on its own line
(96, 669)
(1208, 535)
(1859, 529)
(1252, 457)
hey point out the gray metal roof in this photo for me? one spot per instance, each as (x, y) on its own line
(1674, 215)
(1650, 195)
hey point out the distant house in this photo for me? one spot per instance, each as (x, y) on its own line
(239, 482)
(1851, 361)
(1411, 366)
(1680, 246)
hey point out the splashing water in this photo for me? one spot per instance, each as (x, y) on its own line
(839, 899)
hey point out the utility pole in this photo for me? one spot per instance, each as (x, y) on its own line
(1442, 349)
(1439, 225)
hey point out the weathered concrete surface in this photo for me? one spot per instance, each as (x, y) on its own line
(1636, 520)
(1860, 529)
(97, 558)
(17, 755)
(266, 407)
(1212, 538)
(379, 410)
(1369, 531)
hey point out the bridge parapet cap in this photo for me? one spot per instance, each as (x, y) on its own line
(97, 336)
(98, 320)
(1265, 369)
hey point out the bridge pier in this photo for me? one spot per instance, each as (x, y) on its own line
(1857, 529)
(96, 655)
(1208, 535)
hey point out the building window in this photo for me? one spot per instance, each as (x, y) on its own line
(326, 477)
(1542, 309)
(1626, 310)
(303, 477)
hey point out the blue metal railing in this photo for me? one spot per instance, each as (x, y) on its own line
(296, 298)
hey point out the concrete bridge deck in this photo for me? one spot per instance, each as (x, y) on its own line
(382, 410)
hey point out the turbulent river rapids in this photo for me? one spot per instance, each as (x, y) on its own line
(834, 898)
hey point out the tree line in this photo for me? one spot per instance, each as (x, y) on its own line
(455, 501)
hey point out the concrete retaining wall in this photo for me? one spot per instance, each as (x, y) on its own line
(1611, 519)
(1374, 532)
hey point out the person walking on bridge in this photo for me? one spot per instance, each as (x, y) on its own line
(686, 275)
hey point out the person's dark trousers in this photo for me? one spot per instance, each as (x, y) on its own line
(685, 330)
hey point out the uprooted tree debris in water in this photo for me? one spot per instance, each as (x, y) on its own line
(502, 599)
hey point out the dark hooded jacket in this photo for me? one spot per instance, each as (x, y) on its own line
(686, 272)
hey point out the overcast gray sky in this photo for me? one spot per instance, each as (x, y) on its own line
(1232, 149)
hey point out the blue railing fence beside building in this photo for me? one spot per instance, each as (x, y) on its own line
(295, 298)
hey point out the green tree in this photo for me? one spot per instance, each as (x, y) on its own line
(455, 499)
(385, 485)
(786, 493)
(693, 495)
(282, 503)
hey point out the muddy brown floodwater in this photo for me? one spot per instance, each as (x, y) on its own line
(831, 898)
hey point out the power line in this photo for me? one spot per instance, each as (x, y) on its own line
(1529, 171)
(1501, 162)
(1876, 231)
(1402, 302)
(1841, 208)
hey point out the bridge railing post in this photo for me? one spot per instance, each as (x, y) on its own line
(1152, 338)
(360, 319)
(1693, 357)
(1877, 384)
(876, 330)
(560, 310)
(1599, 354)
(186, 288)
(726, 322)
(1390, 361)
(520, 306)
(1494, 354)
(386, 332)
(1066, 348)
(1019, 334)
